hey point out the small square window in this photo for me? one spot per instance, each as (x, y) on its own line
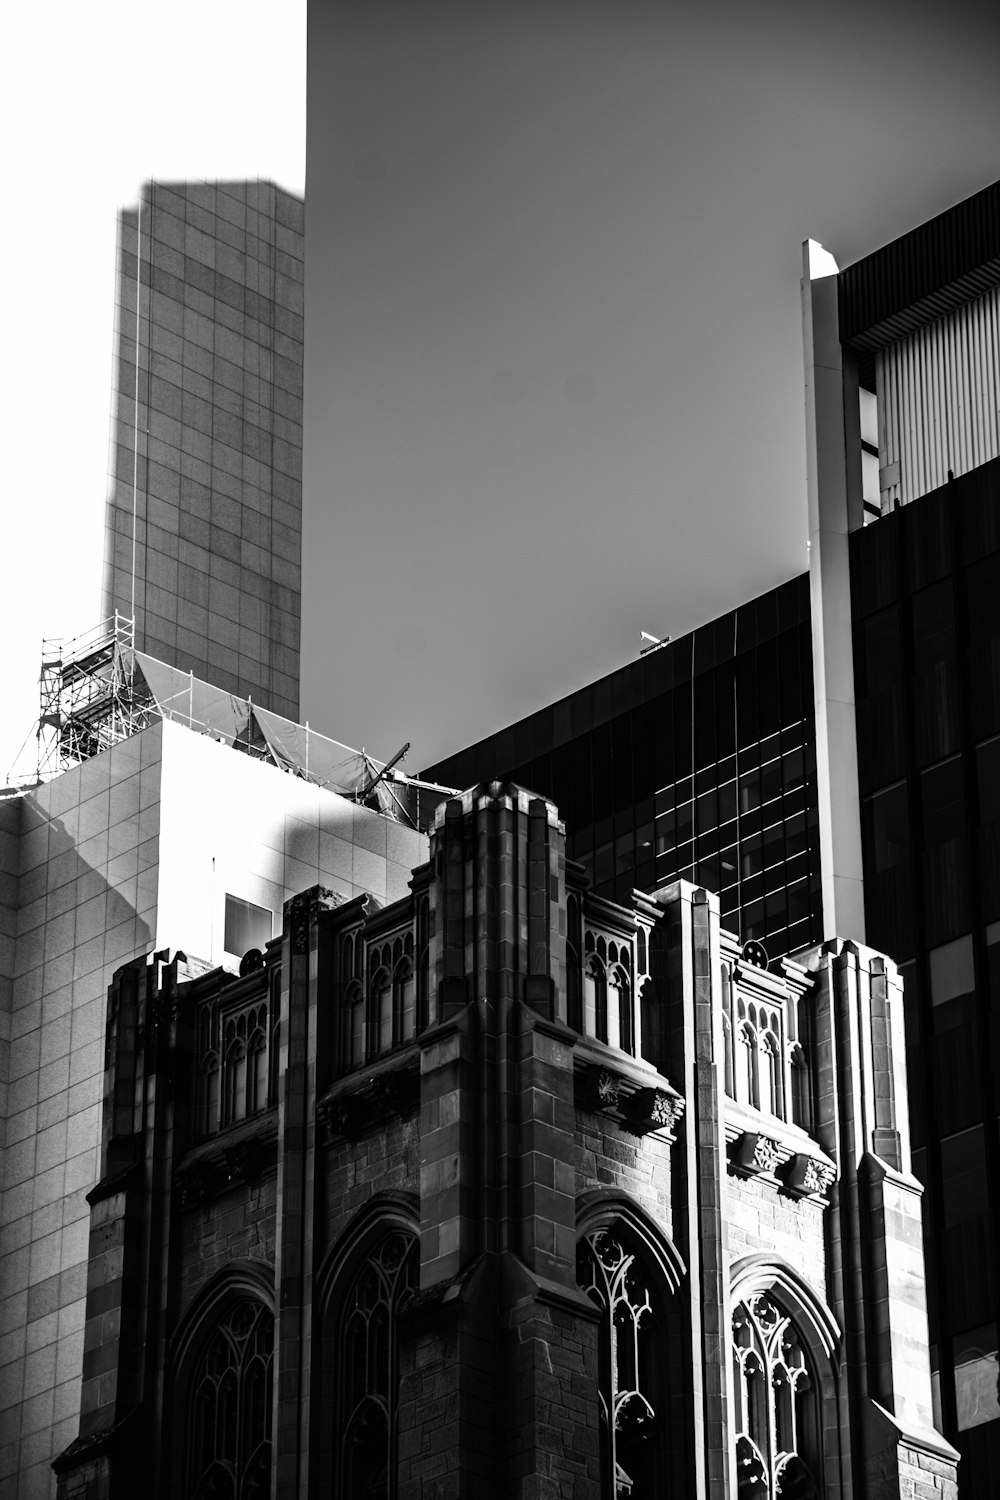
(247, 926)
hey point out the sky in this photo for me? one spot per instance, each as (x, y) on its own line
(553, 351)
(553, 341)
(95, 99)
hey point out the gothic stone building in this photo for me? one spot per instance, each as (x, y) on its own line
(506, 1190)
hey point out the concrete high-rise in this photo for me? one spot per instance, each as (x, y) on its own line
(204, 531)
(203, 548)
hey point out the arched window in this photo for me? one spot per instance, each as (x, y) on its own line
(746, 1065)
(423, 963)
(776, 1405)
(801, 1107)
(235, 1070)
(632, 1404)
(229, 1411)
(208, 1093)
(380, 1013)
(367, 1387)
(727, 1043)
(595, 999)
(618, 1011)
(404, 1001)
(770, 1077)
(257, 1073)
(355, 1025)
(574, 971)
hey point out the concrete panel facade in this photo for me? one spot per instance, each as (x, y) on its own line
(205, 485)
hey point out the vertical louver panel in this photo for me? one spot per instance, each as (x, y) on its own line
(938, 396)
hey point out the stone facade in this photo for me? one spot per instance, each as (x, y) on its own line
(135, 850)
(506, 1189)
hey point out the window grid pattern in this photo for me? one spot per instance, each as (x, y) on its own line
(233, 1063)
(762, 1055)
(368, 1384)
(229, 1445)
(384, 989)
(925, 588)
(607, 990)
(630, 1409)
(708, 775)
(776, 1415)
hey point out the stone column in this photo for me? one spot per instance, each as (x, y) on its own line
(877, 1286)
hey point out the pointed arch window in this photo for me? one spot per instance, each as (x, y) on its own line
(355, 1024)
(404, 1001)
(770, 1076)
(746, 1064)
(229, 1417)
(380, 1013)
(368, 1386)
(631, 1400)
(595, 999)
(777, 1405)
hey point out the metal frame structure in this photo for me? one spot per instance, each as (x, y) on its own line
(97, 690)
(90, 697)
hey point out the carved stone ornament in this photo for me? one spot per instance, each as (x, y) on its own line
(609, 1090)
(666, 1110)
(336, 1118)
(302, 909)
(244, 1162)
(818, 1176)
(196, 1184)
(754, 1153)
(809, 1177)
(765, 1155)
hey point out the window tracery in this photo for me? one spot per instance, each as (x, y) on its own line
(368, 1384)
(229, 1417)
(776, 1405)
(630, 1403)
(233, 1060)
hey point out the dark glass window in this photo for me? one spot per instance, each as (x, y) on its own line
(229, 1417)
(935, 681)
(632, 1403)
(368, 1392)
(988, 778)
(969, 1259)
(776, 1404)
(886, 845)
(247, 926)
(945, 857)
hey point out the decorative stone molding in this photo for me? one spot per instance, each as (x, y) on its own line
(755, 1154)
(810, 1176)
(627, 1089)
(241, 1154)
(301, 910)
(196, 1184)
(365, 1099)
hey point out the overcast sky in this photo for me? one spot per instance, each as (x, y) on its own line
(553, 348)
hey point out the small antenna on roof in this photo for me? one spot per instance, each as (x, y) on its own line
(653, 641)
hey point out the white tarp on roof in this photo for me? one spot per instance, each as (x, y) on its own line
(293, 747)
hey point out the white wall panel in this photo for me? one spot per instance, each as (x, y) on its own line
(938, 397)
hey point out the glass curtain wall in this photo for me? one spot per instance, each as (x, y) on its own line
(925, 585)
(697, 761)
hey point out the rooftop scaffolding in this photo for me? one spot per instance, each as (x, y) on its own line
(97, 690)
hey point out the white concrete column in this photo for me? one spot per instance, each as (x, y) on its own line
(830, 592)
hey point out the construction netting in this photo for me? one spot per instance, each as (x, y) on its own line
(256, 731)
